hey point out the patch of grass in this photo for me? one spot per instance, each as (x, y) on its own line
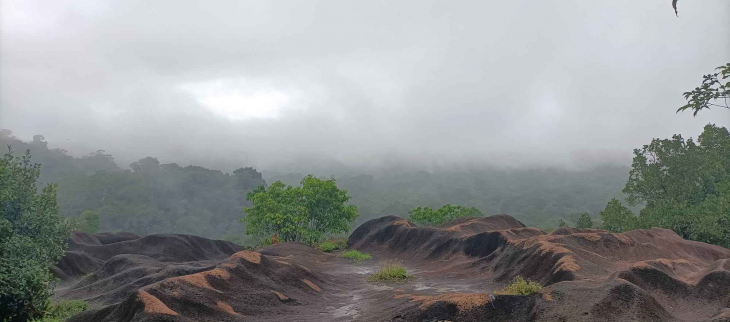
(390, 273)
(333, 244)
(521, 286)
(356, 256)
(63, 310)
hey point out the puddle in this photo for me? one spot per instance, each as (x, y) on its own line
(363, 270)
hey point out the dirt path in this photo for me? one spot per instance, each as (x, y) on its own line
(352, 298)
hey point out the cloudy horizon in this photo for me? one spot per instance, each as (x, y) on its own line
(292, 85)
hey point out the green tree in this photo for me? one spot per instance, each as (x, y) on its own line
(679, 181)
(584, 221)
(31, 239)
(715, 89)
(445, 214)
(562, 223)
(617, 218)
(88, 222)
(305, 213)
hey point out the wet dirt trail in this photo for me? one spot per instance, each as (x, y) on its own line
(351, 297)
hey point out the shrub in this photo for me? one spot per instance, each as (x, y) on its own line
(356, 256)
(584, 221)
(88, 222)
(304, 214)
(333, 245)
(390, 273)
(617, 218)
(562, 223)
(521, 286)
(63, 310)
(31, 239)
(327, 246)
(429, 217)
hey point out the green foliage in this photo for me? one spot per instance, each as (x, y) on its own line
(445, 214)
(327, 246)
(390, 273)
(88, 222)
(617, 218)
(584, 221)
(152, 198)
(356, 256)
(31, 239)
(521, 286)
(305, 213)
(684, 186)
(332, 245)
(562, 223)
(537, 197)
(715, 87)
(63, 310)
(194, 200)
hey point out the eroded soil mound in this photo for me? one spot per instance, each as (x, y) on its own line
(458, 269)
(590, 275)
(163, 247)
(244, 285)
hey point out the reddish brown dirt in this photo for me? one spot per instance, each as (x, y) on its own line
(589, 275)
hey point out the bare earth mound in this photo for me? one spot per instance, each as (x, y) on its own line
(588, 275)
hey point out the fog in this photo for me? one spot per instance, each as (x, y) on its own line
(299, 85)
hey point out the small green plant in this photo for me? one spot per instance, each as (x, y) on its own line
(356, 256)
(390, 273)
(327, 246)
(63, 310)
(333, 244)
(521, 286)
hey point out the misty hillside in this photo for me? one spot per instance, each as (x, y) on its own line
(149, 196)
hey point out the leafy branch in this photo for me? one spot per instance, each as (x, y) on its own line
(715, 89)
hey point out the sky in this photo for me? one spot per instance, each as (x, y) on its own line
(297, 85)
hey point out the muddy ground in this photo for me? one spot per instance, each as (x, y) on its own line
(589, 275)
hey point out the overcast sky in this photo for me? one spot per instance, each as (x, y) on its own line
(361, 83)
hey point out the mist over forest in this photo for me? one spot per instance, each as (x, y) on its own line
(153, 196)
(282, 160)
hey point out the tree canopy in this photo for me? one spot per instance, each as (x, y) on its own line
(306, 213)
(684, 185)
(447, 213)
(31, 239)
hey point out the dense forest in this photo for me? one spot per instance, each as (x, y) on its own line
(148, 197)
(151, 197)
(538, 197)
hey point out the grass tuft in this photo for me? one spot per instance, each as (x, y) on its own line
(63, 310)
(356, 256)
(390, 273)
(333, 244)
(521, 286)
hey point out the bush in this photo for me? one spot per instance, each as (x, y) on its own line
(63, 310)
(327, 246)
(333, 245)
(617, 218)
(584, 221)
(356, 256)
(521, 286)
(447, 213)
(390, 273)
(88, 222)
(31, 239)
(305, 213)
(562, 223)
